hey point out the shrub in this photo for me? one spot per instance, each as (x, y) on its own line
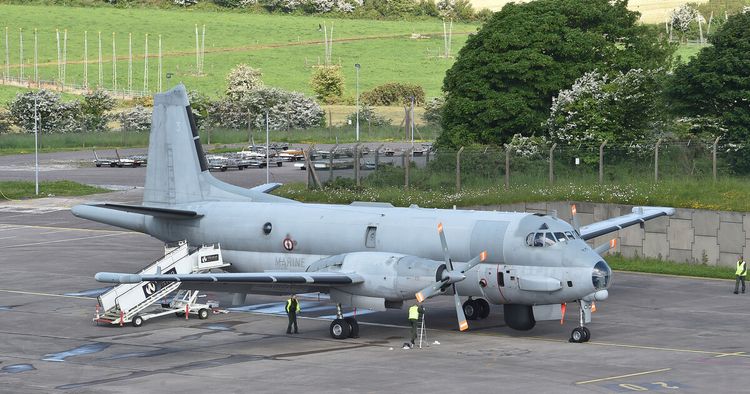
(328, 83)
(285, 110)
(433, 111)
(394, 93)
(94, 110)
(54, 115)
(135, 119)
(243, 80)
(200, 104)
(5, 122)
(369, 116)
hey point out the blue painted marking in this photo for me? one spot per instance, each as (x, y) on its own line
(93, 293)
(79, 351)
(17, 368)
(218, 327)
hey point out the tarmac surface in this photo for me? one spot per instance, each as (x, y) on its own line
(654, 333)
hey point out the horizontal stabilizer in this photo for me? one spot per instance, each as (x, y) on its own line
(267, 187)
(269, 278)
(164, 213)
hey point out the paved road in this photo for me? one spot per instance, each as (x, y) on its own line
(655, 333)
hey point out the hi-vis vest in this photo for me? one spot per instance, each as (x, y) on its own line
(289, 303)
(741, 268)
(414, 313)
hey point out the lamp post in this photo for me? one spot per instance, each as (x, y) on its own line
(356, 66)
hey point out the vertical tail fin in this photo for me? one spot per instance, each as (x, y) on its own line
(177, 171)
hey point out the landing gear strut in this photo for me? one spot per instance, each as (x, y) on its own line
(344, 327)
(582, 334)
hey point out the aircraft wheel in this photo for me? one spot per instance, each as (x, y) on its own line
(203, 314)
(577, 335)
(112, 165)
(279, 164)
(223, 169)
(484, 308)
(586, 334)
(340, 329)
(354, 327)
(98, 165)
(137, 321)
(471, 309)
(179, 314)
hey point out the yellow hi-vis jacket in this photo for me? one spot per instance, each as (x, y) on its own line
(289, 303)
(741, 268)
(414, 313)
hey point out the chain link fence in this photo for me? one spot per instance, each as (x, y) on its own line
(422, 167)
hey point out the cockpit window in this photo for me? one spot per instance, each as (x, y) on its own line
(570, 235)
(549, 239)
(560, 237)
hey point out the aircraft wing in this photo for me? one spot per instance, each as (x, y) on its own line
(639, 215)
(323, 279)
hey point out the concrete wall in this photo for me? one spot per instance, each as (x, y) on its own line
(690, 235)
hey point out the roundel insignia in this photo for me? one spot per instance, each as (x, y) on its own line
(288, 243)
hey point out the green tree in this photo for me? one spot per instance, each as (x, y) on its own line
(504, 78)
(716, 83)
(94, 110)
(328, 83)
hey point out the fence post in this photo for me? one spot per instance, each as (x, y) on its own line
(356, 162)
(331, 154)
(377, 157)
(406, 163)
(601, 162)
(552, 164)
(713, 158)
(458, 169)
(656, 161)
(507, 166)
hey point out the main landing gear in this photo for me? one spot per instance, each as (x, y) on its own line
(476, 309)
(344, 327)
(582, 334)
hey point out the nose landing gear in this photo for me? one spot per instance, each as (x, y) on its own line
(582, 334)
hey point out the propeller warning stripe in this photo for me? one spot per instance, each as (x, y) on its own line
(483, 255)
(463, 325)
(420, 297)
(440, 227)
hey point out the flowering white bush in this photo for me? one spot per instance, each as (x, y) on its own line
(242, 80)
(367, 115)
(285, 110)
(682, 17)
(135, 119)
(527, 147)
(54, 115)
(283, 5)
(185, 3)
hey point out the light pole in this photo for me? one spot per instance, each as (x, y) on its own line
(356, 66)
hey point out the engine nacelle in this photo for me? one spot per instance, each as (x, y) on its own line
(390, 276)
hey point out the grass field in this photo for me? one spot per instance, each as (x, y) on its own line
(17, 190)
(655, 266)
(285, 48)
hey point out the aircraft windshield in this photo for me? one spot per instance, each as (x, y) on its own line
(601, 275)
(541, 239)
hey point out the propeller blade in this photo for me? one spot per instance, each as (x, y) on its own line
(574, 219)
(476, 260)
(444, 243)
(563, 306)
(462, 324)
(428, 291)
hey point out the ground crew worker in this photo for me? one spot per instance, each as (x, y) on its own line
(292, 308)
(415, 315)
(740, 273)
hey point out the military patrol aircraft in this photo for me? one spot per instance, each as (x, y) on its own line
(365, 255)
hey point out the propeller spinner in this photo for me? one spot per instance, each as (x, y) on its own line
(450, 277)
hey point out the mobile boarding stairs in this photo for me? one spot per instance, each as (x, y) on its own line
(132, 302)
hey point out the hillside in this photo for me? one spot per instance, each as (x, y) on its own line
(652, 11)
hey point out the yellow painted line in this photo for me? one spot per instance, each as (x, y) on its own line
(624, 376)
(68, 239)
(46, 294)
(667, 349)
